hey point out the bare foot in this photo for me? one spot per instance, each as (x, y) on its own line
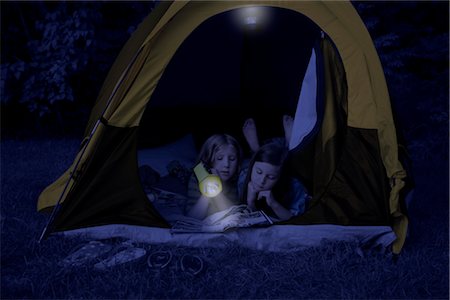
(288, 123)
(251, 136)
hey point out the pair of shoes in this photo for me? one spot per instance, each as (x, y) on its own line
(86, 254)
(191, 264)
(159, 259)
(127, 255)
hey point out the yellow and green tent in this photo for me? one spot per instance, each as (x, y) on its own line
(349, 159)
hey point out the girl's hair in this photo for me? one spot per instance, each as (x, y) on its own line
(213, 144)
(271, 153)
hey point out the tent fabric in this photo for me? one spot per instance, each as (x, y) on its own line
(352, 197)
(113, 167)
(122, 62)
(305, 118)
(315, 163)
(140, 65)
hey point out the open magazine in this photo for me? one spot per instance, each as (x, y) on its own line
(234, 217)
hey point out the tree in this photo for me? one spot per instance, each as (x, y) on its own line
(57, 54)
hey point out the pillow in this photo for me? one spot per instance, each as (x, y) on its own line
(158, 158)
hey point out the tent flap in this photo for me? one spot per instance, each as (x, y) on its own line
(110, 190)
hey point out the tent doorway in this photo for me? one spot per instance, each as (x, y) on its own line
(237, 64)
(228, 70)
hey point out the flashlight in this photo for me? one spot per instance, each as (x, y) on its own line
(210, 184)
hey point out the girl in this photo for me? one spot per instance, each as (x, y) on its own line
(221, 154)
(264, 186)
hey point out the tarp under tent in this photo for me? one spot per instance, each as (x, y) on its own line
(193, 68)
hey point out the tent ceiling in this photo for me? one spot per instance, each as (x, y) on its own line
(225, 63)
(246, 69)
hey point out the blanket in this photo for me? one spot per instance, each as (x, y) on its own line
(276, 238)
(273, 238)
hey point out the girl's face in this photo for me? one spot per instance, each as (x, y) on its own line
(225, 162)
(264, 176)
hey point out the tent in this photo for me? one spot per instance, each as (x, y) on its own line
(344, 145)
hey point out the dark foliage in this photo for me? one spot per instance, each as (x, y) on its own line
(55, 56)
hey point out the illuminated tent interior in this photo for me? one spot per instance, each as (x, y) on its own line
(196, 68)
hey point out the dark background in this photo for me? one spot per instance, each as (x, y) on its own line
(55, 56)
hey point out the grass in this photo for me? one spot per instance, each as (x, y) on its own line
(332, 271)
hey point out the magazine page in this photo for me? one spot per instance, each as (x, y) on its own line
(234, 217)
(216, 217)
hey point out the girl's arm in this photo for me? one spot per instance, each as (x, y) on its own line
(200, 209)
(277, 208)
(251, 196)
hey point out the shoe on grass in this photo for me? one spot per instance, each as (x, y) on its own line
(159, 259)
(191, 264)
(87, 253)
(121, 257)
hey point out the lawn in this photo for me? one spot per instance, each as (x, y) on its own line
(31, 270)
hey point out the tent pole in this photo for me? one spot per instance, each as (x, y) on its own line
(58, 203)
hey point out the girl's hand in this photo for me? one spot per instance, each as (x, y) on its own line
(251, 196)
(251, 188)
(281, 212)
(270, 200)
